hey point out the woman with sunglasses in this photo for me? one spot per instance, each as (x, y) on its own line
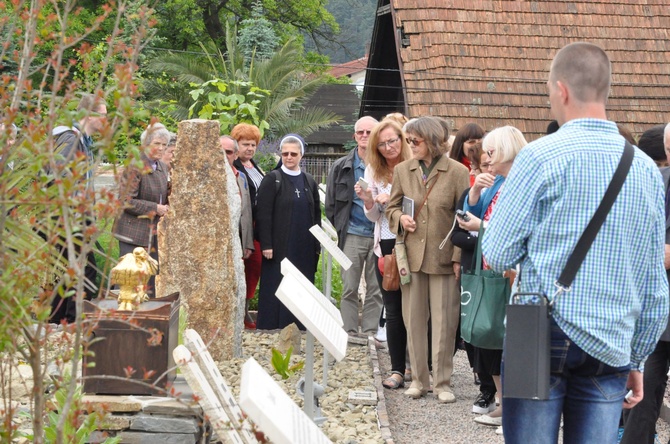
(434, 182)
(386, 149)
(288, 206)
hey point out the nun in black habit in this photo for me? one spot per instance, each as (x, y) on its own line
(287, 206)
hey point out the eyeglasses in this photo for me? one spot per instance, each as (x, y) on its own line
(362, 132)
(229, 152)
(289, 153)
(490, 153)
(413, 141)
(388, 143)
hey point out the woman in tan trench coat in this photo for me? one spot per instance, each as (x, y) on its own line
(435, 183)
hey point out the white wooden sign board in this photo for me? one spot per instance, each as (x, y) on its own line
(287, 268)
(203, 358)
(273, 411)
(331, 246)
(329, 228)
(313, 316)
(322, 193)
(211, 407)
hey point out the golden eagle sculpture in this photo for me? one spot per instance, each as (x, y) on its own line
(132, 274)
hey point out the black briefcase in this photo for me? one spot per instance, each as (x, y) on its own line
(527, 348)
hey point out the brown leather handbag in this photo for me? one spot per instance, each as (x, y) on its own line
(391, 279)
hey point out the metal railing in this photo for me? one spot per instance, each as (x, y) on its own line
(319, 166)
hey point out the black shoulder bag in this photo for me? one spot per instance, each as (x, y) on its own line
(528, 334)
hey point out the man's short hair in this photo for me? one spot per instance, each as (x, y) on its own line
(236, 147)
(363, 119)
(585, 69)
(652, 143)
(90, 103)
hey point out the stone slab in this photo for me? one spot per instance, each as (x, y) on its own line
(118, 404)
(163, 424)
(116, 422)
(357, 340)
(98, 437)
(171, 407)
(362, 397)
(156, 438)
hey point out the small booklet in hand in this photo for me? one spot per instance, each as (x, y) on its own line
(408, 206)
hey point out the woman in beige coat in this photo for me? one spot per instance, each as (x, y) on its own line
(435, 183)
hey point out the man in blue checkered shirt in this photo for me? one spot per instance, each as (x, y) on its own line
(606, 326)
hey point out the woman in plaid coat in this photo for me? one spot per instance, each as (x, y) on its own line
(144, 193)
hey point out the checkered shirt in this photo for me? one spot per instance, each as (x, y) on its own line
(618, 305)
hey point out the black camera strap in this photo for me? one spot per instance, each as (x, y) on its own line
(588, 236)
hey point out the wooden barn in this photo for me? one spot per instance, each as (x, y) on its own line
(487, 61)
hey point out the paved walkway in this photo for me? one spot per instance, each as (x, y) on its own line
(425, 420)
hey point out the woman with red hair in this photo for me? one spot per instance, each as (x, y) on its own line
(248, 137)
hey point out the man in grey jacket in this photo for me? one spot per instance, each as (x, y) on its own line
(68, 142)
(355, 234)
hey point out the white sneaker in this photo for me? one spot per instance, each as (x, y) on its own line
(381, 334)
(499, 431)
(489, 420)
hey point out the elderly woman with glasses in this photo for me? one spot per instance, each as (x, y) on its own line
(145, 193)
(501, 145)
(288, 206)
(434, 183)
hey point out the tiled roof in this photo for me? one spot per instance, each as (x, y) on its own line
(488, 61)
(349, 68)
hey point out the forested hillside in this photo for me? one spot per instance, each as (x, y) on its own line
(356, 20)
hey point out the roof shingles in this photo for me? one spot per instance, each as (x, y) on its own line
(488, 61)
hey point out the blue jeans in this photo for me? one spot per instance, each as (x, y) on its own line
(586, 391)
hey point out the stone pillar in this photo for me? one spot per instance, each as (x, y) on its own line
(198, 240)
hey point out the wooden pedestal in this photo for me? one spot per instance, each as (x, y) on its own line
(119, 346)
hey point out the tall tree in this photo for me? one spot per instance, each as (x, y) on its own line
(190, 22)
(177, 74)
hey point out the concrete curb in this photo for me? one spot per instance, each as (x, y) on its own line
(382, 414)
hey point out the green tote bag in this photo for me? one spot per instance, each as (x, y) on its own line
(484, 295)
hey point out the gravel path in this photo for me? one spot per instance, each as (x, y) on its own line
(425, 420)
(347, 423)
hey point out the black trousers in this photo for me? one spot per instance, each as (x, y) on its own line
(66, 308)
(640, 421)
(396, 334)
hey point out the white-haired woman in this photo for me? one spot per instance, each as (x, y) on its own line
(145, 193)
(502, 145)
(287, 207)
